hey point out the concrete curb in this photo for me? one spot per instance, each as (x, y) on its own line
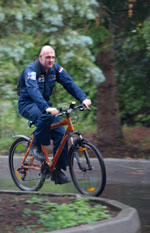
(126, 221)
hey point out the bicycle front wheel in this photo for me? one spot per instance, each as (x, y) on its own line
(87, 169)
(26, 179)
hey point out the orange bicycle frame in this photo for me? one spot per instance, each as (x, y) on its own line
(69, 129)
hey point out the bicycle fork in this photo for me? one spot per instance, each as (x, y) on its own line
(84, 149)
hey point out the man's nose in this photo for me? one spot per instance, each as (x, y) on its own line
(51, 59)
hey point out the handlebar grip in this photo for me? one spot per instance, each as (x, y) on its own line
(72, 105)
(82, 107)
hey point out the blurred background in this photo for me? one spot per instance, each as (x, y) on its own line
(104, 45)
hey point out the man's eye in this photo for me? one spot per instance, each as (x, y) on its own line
(50, 57)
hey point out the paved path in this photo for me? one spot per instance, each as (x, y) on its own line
(118, 170)
(128, 171)
(128, 181)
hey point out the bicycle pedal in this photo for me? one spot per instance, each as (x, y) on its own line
(45, 170)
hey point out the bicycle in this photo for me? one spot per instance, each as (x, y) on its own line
(86, 164)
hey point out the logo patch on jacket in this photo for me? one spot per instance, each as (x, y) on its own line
(52, 77)
(60, 69)
(41, 79)
(31, 75)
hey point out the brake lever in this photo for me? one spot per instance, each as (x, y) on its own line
(83, 107)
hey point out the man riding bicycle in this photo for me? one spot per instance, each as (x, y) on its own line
(36, 83)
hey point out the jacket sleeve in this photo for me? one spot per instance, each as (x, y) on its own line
(33, 90)
(66, 80)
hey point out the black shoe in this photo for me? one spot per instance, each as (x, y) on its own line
(59, 177)
(37, 152)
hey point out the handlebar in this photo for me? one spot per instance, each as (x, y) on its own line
(71, 108)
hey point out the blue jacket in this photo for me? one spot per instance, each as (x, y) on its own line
(39, 89)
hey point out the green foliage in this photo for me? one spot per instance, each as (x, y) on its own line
(49, 19)
(133, 72)
(11, 123)
(52, 216)
(34, 199)
(25, 29)
(78, 31)
(145, 33)
(100, 36)
(131, 37)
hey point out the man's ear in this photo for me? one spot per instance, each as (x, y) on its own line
(40, 58)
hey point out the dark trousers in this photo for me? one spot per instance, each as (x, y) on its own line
(43, 134)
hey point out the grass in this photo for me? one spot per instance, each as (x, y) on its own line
(8, 184)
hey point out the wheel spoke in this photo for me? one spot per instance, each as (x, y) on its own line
(87, 169)
(26, 179)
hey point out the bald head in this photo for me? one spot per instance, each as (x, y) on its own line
(47, 57)
(46, 48)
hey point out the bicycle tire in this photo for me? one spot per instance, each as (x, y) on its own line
(25, 179)
(88, 175)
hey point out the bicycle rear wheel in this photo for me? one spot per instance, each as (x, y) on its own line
(87, 168)
(25, 179)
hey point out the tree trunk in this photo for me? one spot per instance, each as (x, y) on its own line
(108, 119)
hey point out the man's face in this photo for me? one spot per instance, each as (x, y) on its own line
(47, 58)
